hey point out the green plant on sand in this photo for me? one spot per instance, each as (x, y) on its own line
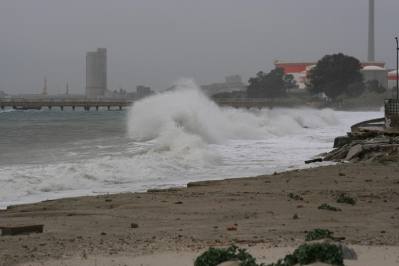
(317, 234)
(303, 255)
(215, 256)
(310, 253)
(328, 207)
(294, 196)
(343, 198)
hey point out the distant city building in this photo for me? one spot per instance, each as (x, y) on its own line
(45, 92)
(67, 88)
(300, 70)
(96, 73)
(118, 94)
(143, 91)
(232, 83)
(3, 94)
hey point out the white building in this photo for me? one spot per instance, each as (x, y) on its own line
(371, 73)
(96, 73)
(232, 83)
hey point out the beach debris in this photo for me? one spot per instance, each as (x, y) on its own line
(202, 183)
(343, 198)
(134, 225)
(163, 190)
(366, 147)
(328, 207)
(353, 151)
(21, 230)
(179, 202)
(341, 141)
(232, 228)
(295, 197)
(317, 160)
(295, 217)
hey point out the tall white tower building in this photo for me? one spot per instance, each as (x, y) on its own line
(371, 46)
(96, 73)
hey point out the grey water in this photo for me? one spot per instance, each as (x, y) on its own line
(31, 137)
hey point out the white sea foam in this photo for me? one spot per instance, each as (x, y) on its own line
(180, 136)
(185, 116)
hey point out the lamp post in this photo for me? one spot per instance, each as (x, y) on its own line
(397, 68)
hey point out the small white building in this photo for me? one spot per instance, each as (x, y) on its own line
(377, 73)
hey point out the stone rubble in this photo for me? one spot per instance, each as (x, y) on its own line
(364, 148)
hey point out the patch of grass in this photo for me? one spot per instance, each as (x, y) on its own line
(310, 253)
(343, 198)
(318, 234)
(328, 207)
(215, 256)
(294, 196)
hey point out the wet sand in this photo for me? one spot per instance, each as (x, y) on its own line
(253, 212)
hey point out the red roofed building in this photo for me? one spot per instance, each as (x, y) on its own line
(300, 69)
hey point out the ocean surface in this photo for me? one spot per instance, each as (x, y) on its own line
(165, 140)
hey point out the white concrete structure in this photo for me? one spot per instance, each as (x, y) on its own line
(96, 73)
(377, 73)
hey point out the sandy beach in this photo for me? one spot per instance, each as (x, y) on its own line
(172, 227)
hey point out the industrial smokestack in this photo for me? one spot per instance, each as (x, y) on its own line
(371, 52)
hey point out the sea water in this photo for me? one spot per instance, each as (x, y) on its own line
(165, 140)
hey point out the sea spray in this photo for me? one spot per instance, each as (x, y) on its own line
(186, 111)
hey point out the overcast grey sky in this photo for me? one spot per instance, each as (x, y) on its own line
(156, 42)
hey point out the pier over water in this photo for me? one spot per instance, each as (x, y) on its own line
(86, 104)
(119, 104)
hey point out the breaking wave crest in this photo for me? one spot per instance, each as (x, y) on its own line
(185, 118)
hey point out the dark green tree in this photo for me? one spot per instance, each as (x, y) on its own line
(267, 85)
(336, 75)
(289, 81)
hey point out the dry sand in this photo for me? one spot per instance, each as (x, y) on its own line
(175, 225)
(367, 256)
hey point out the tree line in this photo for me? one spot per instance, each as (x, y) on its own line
(334, 76)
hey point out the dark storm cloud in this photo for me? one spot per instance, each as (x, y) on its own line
(156, 42)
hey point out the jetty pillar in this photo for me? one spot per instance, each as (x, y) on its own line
(392, 114)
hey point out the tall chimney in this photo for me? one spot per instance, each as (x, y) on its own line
(371, 52)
